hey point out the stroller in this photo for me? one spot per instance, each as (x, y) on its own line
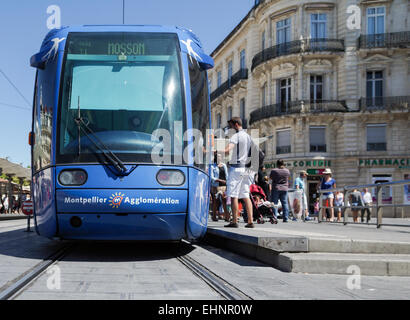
(261, 210)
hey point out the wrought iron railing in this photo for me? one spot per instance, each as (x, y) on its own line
(275, 110)
(325, 106)
(297, 47)
(385, 40)
(292, 107)
(398, 103)
(240, 75)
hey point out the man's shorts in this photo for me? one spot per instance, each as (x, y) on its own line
(239, 181)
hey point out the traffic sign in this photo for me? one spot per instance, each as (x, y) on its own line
(27, 207)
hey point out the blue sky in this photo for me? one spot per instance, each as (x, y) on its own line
(23, 25)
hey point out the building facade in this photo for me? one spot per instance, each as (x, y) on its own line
(327, 83)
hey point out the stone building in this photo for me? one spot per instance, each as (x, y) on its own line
(327, 83)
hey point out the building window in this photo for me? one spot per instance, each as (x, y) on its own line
(219, 79)
(284, 94)
(316, 88)
(376, 137)
(243, 59)
(229, 113)
(283, 31)
(264, 91)
(374, 88)
(263, 40)
(283, 144)
(242, 112)
(375, 20)
(318, 25)
(218, 121)
(317, 137)
(229, 71)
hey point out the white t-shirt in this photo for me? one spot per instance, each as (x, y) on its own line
(242, 142)
(367, 197)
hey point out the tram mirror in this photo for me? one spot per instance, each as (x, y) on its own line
(31, 138)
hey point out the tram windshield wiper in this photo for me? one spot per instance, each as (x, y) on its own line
(89, 133)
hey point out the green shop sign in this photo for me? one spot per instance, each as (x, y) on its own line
(401, 163)
(303, 164)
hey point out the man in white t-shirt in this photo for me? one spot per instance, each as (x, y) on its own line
(239, 176)
(368, 200)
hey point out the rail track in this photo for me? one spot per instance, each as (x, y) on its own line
(225, 289)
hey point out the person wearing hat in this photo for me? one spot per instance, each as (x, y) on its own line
(327, 182)
(300, 185)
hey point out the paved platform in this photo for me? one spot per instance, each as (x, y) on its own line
(321, 248)
(12, 216)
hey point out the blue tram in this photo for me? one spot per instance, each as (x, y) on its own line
(113, 153)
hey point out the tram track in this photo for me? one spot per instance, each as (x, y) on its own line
(222, 287)
(17, 286)
(227, 290)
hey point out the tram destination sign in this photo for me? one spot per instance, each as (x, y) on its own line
(130, 44)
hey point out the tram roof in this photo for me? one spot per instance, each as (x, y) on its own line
(189, 42)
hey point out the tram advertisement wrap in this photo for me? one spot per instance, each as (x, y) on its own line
(164, 201)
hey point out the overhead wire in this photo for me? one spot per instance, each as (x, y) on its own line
(15, 87)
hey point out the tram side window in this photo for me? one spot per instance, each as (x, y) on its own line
(43, 114)
(200, 109)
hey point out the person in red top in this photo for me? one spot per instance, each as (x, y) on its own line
(280, 184)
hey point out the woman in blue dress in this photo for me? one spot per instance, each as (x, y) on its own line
(327, 182)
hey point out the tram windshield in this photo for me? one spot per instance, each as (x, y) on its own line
(124, 86)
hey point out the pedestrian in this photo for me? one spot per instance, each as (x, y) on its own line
(219, 173)
(339, 202)
(356, 201)
(263, 180)
(316, 207)
(280, 185)
(300, 185)
(327, 182)
(368, 201)
(221, 188)
(239, 177)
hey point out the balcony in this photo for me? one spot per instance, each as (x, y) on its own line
(384, 40)
(319, 106)
(292, 107)
(275, 110)
(398, 103)
(240, 75)
(298, 47)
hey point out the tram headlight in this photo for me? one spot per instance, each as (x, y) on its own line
(170, 177)
(72, 177)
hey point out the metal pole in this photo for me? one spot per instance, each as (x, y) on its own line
(319, 216)
(344, 212)
(123, 11)
(28, 224)
(379, 206)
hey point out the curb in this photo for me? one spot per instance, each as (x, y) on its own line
(294, 253)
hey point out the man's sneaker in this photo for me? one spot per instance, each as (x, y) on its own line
(295, 219)
(250, 225)
(232, 225)
(285, 220)
(308, 219)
